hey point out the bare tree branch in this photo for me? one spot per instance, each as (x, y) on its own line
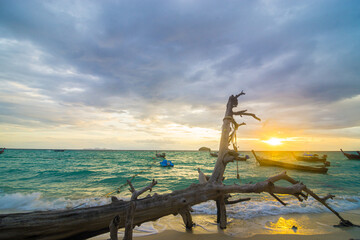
(245, 113)
(236, 201)
(238, 95)
(278, 199)
(132, 189)
(138, 193)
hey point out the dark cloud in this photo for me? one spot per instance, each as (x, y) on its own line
(144, 55)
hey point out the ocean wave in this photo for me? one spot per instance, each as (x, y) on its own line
(251, 209)
(70, 174)
(112, 180)
(18, 202)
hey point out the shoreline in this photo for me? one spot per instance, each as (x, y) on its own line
(290, 226)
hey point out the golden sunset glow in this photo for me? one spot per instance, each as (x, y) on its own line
(274, 141)
(283, 223)
(286, 226)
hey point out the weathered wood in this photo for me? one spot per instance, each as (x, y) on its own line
(86, 222)
(186, 216)
(202, 177)
(321, 200)
(237, 201)
(113, 227)
(129, 223)
(224, 157)
(278, 199)
(221, 212)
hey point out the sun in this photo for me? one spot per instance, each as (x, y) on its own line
(274, 141)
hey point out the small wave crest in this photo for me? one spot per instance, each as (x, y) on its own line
(251, 209)
(60, 173)
(18, 202)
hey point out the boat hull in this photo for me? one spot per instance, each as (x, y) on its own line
(351, 156)
(267, 162)
(312, 158)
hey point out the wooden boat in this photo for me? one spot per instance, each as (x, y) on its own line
(160, 155)
(312, 158)
(242, 158)
(2, 150)
(351, 156)
(267, 162)
(238, 158)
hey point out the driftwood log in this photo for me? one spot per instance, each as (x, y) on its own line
(87, 222)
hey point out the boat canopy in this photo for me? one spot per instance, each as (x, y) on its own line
(309, 155)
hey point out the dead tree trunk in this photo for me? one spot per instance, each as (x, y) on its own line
(87, 222)
(225, 155)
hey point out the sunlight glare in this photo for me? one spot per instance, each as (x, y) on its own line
(274, 141)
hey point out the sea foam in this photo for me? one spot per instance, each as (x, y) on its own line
(257, 208)
(18, 202)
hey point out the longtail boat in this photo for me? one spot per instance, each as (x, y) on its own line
(160, 155)
(312, 158)
(2, 150)
(59, 150)
(351, 156)
(242, 158)
(267, 162)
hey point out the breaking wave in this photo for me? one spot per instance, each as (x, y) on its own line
(18, 202)
(252, 209)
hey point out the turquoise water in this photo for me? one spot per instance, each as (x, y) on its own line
(44, 179)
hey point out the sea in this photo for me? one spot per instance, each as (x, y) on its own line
(36, 180)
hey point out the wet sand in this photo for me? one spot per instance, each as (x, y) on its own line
(291, 226)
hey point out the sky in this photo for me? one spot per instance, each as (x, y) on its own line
(156, 75)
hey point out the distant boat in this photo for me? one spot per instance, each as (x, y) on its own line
(351, 156)
(242, 158)
(2, 150)
(160, 155)
(58, 150)
(238, 158)
(267, 162)
(312, 158)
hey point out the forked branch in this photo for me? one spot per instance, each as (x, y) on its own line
(130, 213)
(245, 113)
(136, 194)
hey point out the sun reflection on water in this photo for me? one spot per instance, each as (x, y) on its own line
(284, 226)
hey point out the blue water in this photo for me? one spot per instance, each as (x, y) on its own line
(44, 179)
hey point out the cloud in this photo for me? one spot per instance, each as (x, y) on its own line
(181, 60)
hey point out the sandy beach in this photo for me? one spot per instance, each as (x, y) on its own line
(291, 226)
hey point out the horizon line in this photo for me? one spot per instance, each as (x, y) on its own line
(168, 150)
